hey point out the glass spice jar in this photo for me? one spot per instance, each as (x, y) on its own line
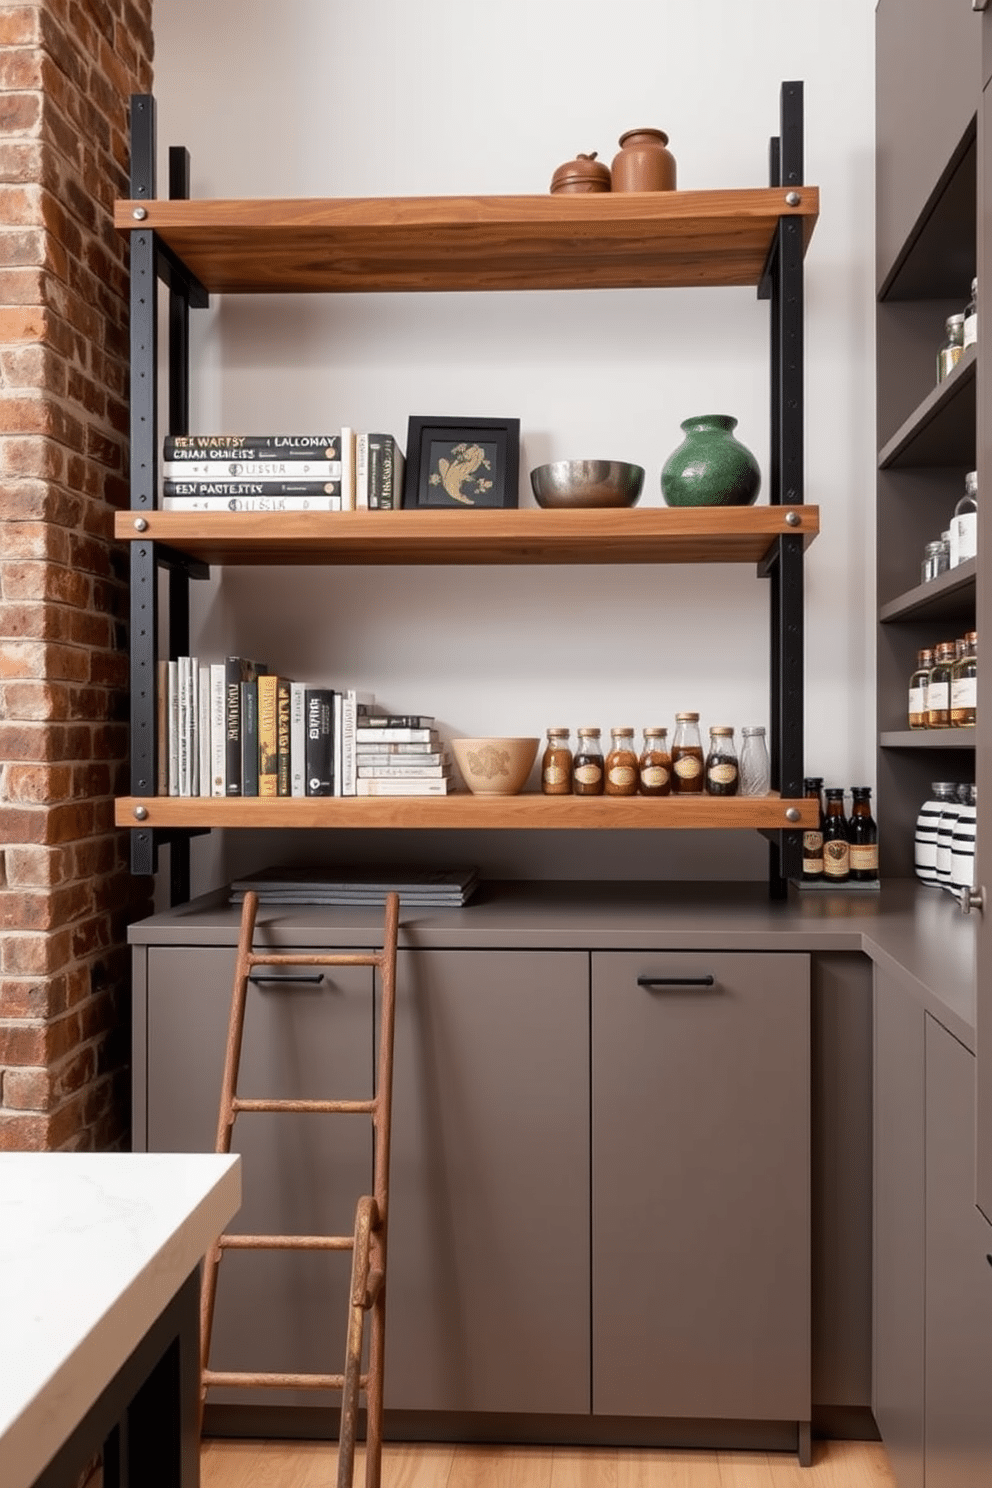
(953, 348)
(654, 767)
(970, 334)
(964, 523)
(687, 756)
(588, 765)
(556, 765)
(621, 764)
(939, 686)
(964, 683)
(755, 768)
(917, 712)
(722, 771)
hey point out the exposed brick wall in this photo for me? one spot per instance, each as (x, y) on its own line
(67, 70)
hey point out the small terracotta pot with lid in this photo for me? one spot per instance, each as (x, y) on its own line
(583, 174)
(643, 162)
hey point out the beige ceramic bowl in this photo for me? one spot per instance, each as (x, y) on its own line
(495, 767)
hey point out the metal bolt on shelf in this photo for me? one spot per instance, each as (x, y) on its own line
(141, 813)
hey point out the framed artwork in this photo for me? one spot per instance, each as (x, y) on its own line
(462, 463)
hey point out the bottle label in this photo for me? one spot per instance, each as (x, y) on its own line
(812, 844)
(917, 702)
(964, 537)
(864, 856)
(938, 697)
(836, 859)
(654, 776)
(623, 775)
(964, 692)
(688, 767)
(588, 774)
(555, 775)
(724, 774)
(971, 329)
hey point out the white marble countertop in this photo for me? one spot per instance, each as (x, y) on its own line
(93, 1247)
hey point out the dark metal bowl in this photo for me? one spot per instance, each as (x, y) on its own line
(572, 483)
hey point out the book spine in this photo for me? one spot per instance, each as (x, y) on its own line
(173, 728)
(385, 472)
(260, 490)
(218, 743)
(234, 675)
(162, 728)
(252, 470)
(338, 710)
(268, 738)
(297, 739)
(403, 772)
(183, 726)
(250, 503)
(402, 754)
(319, 741)
(282, 736)
(203, 717)
(251, 446)
(361, 472)
(249, 738)
(347, 469)
(403, 788)
(396, 736)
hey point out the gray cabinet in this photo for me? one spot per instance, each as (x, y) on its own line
(701, 1185)
(489, 1210)
(958, 1414)
(928, 78)
(899, 1208)
(302, 1173)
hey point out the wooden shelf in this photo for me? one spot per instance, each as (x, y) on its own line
(728, 534)
(950, 596)
(627, 240)
(947, 738)
(942, 430)
(461, 810)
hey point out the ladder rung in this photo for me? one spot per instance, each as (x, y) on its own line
(327, 1108)
(245, 1379)
(286, 1242)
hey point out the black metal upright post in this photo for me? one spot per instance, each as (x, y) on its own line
(787, 485)
(144, 422)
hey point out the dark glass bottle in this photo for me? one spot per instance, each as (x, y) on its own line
(813, 836)
(836, 848)
(862, 836)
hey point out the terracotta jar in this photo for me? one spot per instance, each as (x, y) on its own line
(643, 163)
(583, 174)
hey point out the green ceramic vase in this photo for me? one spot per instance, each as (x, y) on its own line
(710, 467)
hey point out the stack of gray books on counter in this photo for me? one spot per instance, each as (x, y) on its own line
(430, 888)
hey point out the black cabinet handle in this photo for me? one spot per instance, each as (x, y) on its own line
(989, 1259)
(315, 979)
(700, 981)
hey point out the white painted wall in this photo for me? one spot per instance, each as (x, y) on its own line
(323, 98)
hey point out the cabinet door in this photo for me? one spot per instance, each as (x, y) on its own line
(897, 1391)
(958, 1418)
(489, 1210)
(301, 1173)
(983, 754)
(927, 84)
(701, 1186)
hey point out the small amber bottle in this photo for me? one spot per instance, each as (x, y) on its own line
(588, 768)
(939, 686)
(918, 682)
(687, 756)
(621, 764)
(964, 683)
(655, 764)
(556, 766)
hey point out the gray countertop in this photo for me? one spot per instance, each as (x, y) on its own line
(918, 935)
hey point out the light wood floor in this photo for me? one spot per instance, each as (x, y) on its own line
(228, 1464)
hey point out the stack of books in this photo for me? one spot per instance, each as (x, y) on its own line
(433, 888)
(281, 472)
(236, 728)
(400, 754)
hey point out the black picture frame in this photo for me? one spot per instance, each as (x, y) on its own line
(459, 464)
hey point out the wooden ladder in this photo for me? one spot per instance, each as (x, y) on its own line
(367, 1242)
